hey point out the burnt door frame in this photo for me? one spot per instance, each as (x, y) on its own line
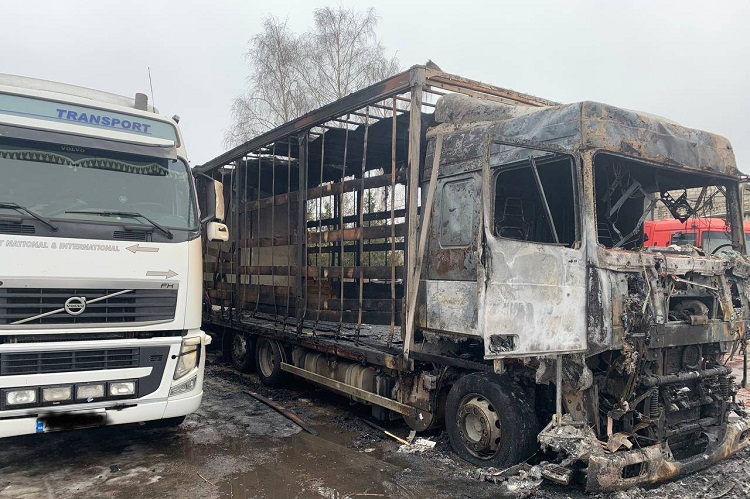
(532, 295)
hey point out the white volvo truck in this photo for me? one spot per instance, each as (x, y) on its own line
(100, 261)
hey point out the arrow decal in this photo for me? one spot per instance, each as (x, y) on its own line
(143, 249)
(166, 275)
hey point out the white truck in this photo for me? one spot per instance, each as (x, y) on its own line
(100, 261)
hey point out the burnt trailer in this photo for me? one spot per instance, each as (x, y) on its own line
(461, 254)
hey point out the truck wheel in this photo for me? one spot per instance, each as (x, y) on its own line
(489, 421)
(241, 352)
(268, 358)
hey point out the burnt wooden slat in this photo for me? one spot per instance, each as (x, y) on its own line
(381, 318)
(367, 217)
(264, 242)
(348, 304)
(354, 248)
(355, 234)
(373, 272)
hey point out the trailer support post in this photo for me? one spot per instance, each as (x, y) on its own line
(302, 231)
(412, 192)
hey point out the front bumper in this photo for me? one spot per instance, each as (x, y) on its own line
(144, 411)
(605, 473)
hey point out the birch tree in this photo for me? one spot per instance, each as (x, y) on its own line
(292, 74)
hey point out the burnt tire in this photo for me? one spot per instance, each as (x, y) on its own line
(268, 358)
(490, 421)
(241, 352)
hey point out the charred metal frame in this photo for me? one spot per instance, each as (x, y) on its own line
(249, 293)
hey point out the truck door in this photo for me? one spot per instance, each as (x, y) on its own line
(532, 281)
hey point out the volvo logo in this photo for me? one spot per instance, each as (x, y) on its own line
(75, 305)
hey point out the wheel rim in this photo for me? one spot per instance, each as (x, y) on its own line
(478, 426)
(266, 358)
(239, 348)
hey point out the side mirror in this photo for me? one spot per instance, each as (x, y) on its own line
(217, 231)
(218, 201)
(210, 198)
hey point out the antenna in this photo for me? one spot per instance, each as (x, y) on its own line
(151, 84)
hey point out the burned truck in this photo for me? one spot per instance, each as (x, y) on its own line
(459, 254)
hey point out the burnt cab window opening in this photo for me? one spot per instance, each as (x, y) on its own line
(535, 200)
(629, 193)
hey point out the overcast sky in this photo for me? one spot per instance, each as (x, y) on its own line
(685, 60)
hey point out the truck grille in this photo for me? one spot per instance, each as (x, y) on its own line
(6, 228)
(138, 305)
(129, 235)
(60, 362)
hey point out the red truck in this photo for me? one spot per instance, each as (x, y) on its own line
(710, 234)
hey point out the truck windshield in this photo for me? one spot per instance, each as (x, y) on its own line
(714, 240)
(77, 184)
(629, 192)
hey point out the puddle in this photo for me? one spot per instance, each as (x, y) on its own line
(315, 466)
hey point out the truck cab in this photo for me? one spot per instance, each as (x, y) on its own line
(710, 234)
(100, 257)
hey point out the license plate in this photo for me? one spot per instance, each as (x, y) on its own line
(60, 422)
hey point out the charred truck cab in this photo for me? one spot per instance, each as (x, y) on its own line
(466, 255)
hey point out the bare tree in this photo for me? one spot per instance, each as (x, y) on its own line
(291, 74)
(275, 95)
(343, 53)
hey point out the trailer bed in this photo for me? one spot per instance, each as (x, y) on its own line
(369, 343)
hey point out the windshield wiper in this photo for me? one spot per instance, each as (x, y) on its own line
(127, 214)
(23, 209)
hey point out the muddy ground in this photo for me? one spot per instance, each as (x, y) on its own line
(237, 447)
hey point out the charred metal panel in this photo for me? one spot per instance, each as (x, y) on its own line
(670, 335)
(457, 149)
(599, 305)
(450, 265)
(537, 293)
(556, 127)
(653, 138)
(452, 241)
(452, 306)
(581, 126)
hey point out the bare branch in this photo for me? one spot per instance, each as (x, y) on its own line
(292, 74)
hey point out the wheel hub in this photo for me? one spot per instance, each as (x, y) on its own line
(478, 426)
(267, 359)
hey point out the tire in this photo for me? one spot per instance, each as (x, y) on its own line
(241, 352)
(268, 358)
(226, 344)
(490, 422)
(166, 422)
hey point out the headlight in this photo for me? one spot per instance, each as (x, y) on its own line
(57, 393)
(185, 387)
(190, 353)
(90, 392)
(20, 397)
(121, 388)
